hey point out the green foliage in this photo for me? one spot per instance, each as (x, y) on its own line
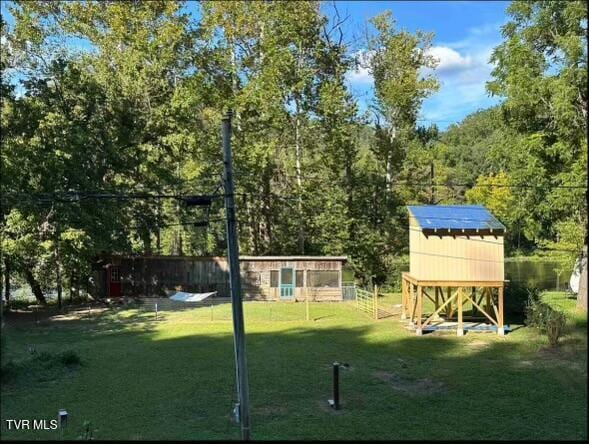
(546, 319)
(44, 366)
(516, 300)
(136, 106)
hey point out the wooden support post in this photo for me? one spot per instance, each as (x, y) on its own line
(437, 299)
(403, 299)
(473, 294)
(449, 307)
(413, 303)
(460, 329)
(375, 302)
(500, 327)
(418, 330)
(487, 292)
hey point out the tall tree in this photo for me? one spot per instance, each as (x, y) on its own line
(541, 70)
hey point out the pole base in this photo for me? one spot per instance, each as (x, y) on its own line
(501, 331)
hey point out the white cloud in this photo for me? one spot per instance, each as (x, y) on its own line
(449, 59)
(361, 74)
(463, 69)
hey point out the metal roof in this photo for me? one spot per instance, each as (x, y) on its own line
(455, 218)
(293, 258)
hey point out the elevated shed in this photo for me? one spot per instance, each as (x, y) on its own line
(456, 260)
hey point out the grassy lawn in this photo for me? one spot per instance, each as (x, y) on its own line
(174, 378)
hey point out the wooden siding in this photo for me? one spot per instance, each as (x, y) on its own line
(454, 258)
(157, 275)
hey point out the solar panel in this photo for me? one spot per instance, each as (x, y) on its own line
(455, 218)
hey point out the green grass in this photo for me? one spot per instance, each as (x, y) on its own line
(174, 378)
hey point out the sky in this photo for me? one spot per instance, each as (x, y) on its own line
(465, 33)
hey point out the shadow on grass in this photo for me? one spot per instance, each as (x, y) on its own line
(179, 384)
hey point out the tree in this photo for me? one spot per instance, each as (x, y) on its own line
(541, 70)
(397, 61)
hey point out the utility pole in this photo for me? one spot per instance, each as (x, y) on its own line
(235, 286)
(58, 263)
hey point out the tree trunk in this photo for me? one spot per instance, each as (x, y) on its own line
(582, 295)
(298, 156)
(6, 279)
(35, 287)
(267, 215)
(432, 198)
(58, 270)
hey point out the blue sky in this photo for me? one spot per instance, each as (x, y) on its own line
(465, 34)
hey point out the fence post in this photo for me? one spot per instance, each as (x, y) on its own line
(307, 303)
(156, 311)
(375, 303)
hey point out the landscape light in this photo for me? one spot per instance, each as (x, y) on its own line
(334, 403)
(62, 417)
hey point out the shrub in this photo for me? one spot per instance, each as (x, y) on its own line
(517, 297)
(546, 319)
(555, 324)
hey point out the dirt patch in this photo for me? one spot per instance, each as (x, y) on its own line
(556, 354)
(411, 386)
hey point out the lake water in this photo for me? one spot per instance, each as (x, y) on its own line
(542, 275)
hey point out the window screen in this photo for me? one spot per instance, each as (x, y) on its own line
(274, 278)
(300, 278)
(322, 278)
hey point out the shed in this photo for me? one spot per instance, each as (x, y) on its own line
(455, 242)
(263, 277)
(455, 258)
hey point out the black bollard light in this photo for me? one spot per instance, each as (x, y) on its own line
(334, 403)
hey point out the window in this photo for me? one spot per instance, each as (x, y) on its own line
(322, 278)
(300, 278)
(274, 278)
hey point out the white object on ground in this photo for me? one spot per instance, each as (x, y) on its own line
(181, 296)
(576, 274)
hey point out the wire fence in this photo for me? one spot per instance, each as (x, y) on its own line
(219, 310)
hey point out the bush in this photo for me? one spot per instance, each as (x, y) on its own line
(517, 296)
(546, 319)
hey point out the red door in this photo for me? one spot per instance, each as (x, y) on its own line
(114, 282)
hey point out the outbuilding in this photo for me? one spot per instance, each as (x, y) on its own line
(456, 262)
(263, 277)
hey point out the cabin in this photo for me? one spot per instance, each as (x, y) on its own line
(289, 278)
(456, 262)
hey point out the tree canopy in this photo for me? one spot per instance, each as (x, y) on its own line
(127, 97)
